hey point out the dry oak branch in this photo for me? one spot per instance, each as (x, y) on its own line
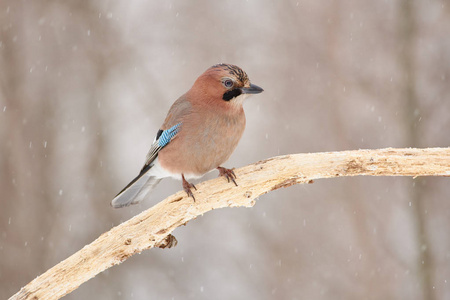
(153, 227)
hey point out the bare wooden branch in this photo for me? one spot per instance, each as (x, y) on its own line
(153, 227)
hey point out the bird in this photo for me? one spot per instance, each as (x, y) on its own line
(200, 132)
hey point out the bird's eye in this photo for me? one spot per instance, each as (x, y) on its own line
(228, 83)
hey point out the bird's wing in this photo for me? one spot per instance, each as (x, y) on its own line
(140, 186)
(179, 110)
(163, 137)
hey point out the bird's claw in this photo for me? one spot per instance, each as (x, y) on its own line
(228, 174)
(187, 187)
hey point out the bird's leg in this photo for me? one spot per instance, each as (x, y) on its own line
(228, 173)
(187, 187)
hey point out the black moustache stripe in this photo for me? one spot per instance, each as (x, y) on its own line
(231, 94)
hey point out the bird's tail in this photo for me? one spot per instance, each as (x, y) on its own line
(136, 190)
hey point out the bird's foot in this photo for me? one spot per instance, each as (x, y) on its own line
(187, 187)
(228, 174)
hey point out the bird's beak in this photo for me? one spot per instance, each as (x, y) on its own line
(252, 89)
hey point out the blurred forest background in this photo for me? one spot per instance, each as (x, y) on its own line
(85, 85)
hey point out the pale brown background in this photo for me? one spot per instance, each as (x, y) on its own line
(86, 84)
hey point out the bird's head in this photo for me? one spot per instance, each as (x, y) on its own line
(225, 83)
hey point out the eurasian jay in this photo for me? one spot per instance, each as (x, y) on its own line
(201, 130)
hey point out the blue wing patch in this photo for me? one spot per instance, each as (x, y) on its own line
(163, 137)
(167, 135)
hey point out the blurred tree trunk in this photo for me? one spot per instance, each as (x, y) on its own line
(407, 36)
(25, 152)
